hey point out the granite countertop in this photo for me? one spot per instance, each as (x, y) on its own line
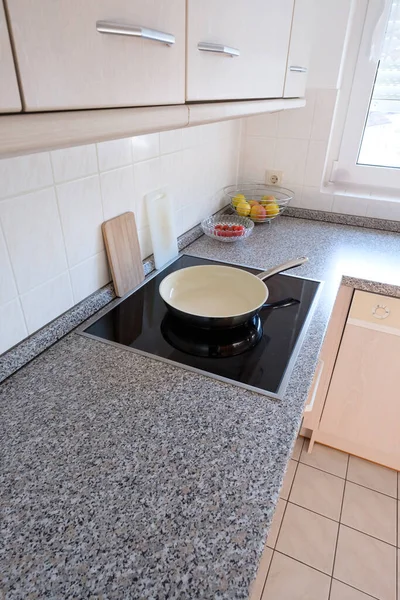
(125, 477)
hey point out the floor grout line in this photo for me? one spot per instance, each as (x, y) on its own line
(318, 571)
(338, 532)
(355, 588)
(345, 478)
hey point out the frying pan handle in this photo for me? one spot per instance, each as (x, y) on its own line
(296, 262)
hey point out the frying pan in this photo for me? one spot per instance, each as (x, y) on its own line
(216, 296)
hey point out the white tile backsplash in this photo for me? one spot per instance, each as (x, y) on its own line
(315, 163)
(52, 254)
(12, 325)
(24, 174)
(89, 276)
(118, 192)
(290, 157)
(147, 177)
(297, 142)
(145, 147)
(258, 156)
(44, 303)
(73, 163)
(8, 289)
(33, 235)
(81, 215)
(323, 114)
(258, 125)
(170, 141)
(297, 124)
(115, 153)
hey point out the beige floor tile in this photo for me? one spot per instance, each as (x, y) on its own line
(340, 591)
(308, 537)
(375, 477)
(324, 458)
(257, 586)
(298, 448)
(318, 491)
(287, 482)
(370, 512)
(366, 563)
(276, 523)
(290, 580)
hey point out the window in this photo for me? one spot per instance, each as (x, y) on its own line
(370, 148)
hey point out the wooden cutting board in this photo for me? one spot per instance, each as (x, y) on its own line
(123, 252)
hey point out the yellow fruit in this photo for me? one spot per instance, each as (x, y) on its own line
(272, 209)
(238, 199)
(243, 209)
(267, 200)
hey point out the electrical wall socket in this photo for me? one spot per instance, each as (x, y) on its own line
(273, 177)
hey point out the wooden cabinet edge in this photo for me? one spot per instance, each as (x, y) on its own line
(200, 113)
(36, 132)
(330, 348)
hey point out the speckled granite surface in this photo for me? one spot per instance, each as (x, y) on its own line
(124, 477)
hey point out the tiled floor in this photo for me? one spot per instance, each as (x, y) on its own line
(335, 534)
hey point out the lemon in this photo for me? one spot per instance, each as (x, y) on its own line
(243, 208)
(272, 209)
(238, 199)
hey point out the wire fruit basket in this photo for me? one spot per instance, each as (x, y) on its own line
(227, 228)
(258, 202)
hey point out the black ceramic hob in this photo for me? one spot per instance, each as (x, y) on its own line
(256, 356)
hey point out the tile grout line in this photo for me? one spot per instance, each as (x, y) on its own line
(345, 478)
(319, 571)
(338, 530)
(354, 588)
(280, 526)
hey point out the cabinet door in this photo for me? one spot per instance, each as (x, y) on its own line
(10, 100)
(301, 41)
(66, 63)
(237, 49)
(362, 409)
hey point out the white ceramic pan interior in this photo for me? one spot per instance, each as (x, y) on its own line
(213, 291)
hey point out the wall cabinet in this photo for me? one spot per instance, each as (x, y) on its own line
(301, 41)
(99, 53)
(357, 402)
(10, 100)
(237, 49)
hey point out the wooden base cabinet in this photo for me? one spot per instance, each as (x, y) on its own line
(357, 402)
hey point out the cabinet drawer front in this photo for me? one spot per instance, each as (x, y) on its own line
(66, 62)
(250, 40)
(374, 311)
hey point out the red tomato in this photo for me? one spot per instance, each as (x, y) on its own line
(218, 226)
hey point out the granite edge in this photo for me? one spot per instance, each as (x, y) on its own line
(29, 348)
(341, 219)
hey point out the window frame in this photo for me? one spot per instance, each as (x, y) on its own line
(346, 172)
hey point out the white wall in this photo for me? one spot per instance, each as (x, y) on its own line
(52, 205)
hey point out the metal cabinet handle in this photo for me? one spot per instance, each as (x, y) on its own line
(135, 30)
(298, 69)
(219, 48)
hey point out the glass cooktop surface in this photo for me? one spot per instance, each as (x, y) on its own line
(262, 353)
